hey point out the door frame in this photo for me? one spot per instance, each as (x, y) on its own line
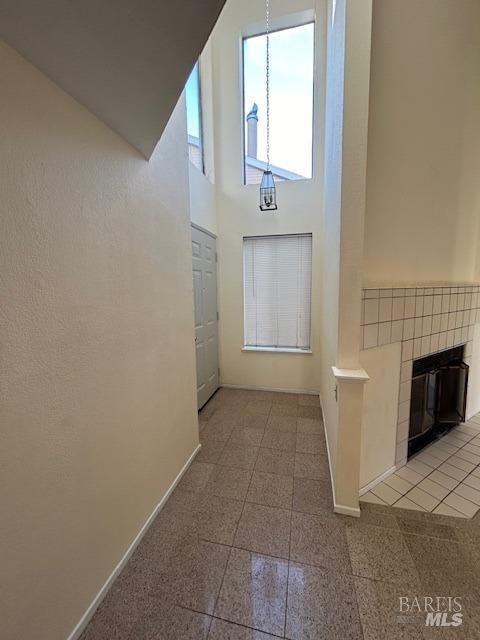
(199, 228)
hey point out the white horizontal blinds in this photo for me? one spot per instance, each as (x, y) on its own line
(277, 291)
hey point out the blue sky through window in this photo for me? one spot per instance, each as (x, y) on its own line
(291, 95)
(193, 103)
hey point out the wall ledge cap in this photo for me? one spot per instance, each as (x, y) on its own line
(350, 375)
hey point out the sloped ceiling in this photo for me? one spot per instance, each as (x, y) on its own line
(127, 61)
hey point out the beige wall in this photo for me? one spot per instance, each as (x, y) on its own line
(300, 206)
(98, 410)
(423, 197)
(380, 407)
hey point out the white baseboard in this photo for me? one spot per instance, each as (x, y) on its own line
(87, 616)
(275, 389)
(378, 479)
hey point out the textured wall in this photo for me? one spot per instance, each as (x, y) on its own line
(97, 407)
(423, 195)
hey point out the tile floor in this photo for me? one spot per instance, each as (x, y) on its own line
(443, 478)
(248, 547)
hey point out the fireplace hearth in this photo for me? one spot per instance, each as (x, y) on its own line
(438, 396)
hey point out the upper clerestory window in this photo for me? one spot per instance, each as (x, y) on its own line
(194, 118)
(292, 53)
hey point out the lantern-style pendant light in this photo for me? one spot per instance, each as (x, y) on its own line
(268, 196)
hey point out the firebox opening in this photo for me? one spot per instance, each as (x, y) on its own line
(438, 397)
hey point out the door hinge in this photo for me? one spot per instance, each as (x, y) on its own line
(219, 372)
(216, 256)
(218, 315)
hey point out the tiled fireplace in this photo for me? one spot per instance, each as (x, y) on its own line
(426, 321)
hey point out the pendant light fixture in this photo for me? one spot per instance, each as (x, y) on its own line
(268, 196)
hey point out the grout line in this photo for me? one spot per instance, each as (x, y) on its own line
(239, 624)
(459, 482)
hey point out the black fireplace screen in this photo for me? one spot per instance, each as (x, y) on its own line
(438, 396)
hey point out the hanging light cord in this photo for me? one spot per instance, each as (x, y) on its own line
(267, 16)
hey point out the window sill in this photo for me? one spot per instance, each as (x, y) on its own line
(277, 350)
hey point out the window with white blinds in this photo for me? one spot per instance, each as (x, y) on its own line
(277, 277)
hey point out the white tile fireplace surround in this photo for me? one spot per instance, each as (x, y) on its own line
(425, 320)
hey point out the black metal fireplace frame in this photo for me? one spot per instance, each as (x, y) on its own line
(438, 396)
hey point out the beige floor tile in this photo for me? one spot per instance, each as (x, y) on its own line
(433, 488)
(467, 455)
(405, 503)
(386, 493)
(426, 458)
(420, 497)
(468, 429)
(454, 440)
(419, 467)
(398, 483)
(461, 504)
(462, 464)
(469, 493)
(371, 497)
(444, 446)
(439, 454)
(473, 481)
(473, 447)
(444, 510)
(409, 475)
(444, 480)
(459, 436)
(453, 472)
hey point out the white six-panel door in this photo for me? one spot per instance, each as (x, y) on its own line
(205, 305)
